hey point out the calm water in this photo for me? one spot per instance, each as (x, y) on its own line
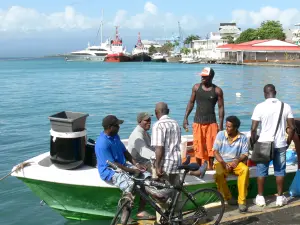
(33, 90)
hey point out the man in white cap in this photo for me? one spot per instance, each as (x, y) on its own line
(205, 127)
(139, 142)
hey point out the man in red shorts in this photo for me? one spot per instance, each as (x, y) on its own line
(205, 127)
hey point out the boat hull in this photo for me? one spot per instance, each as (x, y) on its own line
(173, 59)
(141, 57)
(84, 58)
(118, 57)
(159, 60)
(99, 203)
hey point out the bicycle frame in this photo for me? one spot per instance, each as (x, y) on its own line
(179, 190)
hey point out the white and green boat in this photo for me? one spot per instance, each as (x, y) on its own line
(80, 193)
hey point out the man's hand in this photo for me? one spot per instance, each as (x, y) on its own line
(234, 163)
(185, 124)
(140, 167)
(159, 172)
(224, 164)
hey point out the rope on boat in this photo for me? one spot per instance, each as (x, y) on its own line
(19, 167)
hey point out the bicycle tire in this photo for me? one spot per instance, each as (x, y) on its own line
(200, 208)
(115, 221)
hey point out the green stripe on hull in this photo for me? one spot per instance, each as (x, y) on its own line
(98, 203)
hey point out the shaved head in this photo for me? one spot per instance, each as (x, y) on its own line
(161, 108)
(269, 91)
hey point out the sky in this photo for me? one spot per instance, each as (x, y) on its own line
(30, 28)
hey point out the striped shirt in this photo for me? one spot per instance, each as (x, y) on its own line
(166, 133)
(230, 150)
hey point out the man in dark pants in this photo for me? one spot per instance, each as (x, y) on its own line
(267, 113)
(205, 127)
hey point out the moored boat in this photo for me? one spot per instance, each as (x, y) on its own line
(158, 57)
(140, 53)
(118, 52)
(81, 194)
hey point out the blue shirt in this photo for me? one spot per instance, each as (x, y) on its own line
(231, 150)
(109, 148)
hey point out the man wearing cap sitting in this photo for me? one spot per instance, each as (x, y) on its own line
(139, 142)
(205, 127)
(110, 147)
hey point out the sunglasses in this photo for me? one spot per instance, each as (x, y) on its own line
(115, 125)
(148, 120)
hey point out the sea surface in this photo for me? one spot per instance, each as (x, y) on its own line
(32, 90)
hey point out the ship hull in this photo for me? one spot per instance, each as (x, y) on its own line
(141, 57)
(84, 58)
(118, 57)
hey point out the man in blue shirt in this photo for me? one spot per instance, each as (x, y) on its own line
(110, 147)
(231, 151)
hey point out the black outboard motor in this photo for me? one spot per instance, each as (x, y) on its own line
(68, 139)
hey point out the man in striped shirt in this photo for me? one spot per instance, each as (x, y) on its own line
(166, 138)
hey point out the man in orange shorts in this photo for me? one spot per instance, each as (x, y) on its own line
(205, 127)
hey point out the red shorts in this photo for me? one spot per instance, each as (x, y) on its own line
(204, 136)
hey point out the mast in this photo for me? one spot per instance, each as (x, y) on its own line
(101, 27)
(179, 35)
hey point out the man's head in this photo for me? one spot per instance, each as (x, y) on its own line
(161, 109)
(111, 125)
(269, 91)
(207, 75)
(232, 125)
(144, 120)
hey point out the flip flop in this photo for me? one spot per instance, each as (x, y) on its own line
(146, 216)
(203, 169)
(132, 222)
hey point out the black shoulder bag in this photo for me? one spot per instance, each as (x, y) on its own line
(263, 152)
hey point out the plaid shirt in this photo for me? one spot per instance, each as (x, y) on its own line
(166, 133)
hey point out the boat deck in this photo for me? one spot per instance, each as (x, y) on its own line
(258, 215)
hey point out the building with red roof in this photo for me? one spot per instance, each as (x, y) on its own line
(260, 51)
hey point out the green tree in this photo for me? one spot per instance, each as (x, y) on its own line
(247, 35)
(152, 50)
(230, 39)
(185, 50)
(271, 29)
(189, 40)
(167, 47)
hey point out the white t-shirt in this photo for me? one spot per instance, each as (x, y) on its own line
(267, 113)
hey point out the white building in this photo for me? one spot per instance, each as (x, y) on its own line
(207, 48)
(147, 44)
(296, 34)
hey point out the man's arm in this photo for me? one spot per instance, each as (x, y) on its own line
(190, 106)
(142, 148)
(219, 92)
(220, 159)
(254, 136)
(291, 130)
(159, 153)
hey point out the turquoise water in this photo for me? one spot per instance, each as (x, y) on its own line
(35, 89)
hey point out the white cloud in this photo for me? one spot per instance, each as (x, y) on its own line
(28, 20)
(150, 7)
(18, 18)
(287, 17)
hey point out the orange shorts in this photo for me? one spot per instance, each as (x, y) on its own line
(204, 136)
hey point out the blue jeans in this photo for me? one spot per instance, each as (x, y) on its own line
(279, 163)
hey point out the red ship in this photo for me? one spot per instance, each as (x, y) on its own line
(118, 53)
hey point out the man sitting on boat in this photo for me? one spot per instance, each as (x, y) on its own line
(139, 142)
(109, 147)
(231, 151)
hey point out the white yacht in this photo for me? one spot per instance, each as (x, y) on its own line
(91, 53)
(158, 57)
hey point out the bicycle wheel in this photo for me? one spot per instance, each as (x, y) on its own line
(209, 208)
(120, 217)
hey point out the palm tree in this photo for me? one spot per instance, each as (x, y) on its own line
(189, 39)
(185, 50)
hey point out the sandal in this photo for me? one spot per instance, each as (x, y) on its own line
(203, 169)
(132, 222)
(146, 216)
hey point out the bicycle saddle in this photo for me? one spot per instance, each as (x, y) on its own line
(189, 167)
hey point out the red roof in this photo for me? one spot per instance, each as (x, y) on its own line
(252, 46)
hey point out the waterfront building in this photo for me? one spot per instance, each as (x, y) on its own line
(207, 48)
(261, 51)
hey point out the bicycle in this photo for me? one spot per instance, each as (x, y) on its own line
(199, 207)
